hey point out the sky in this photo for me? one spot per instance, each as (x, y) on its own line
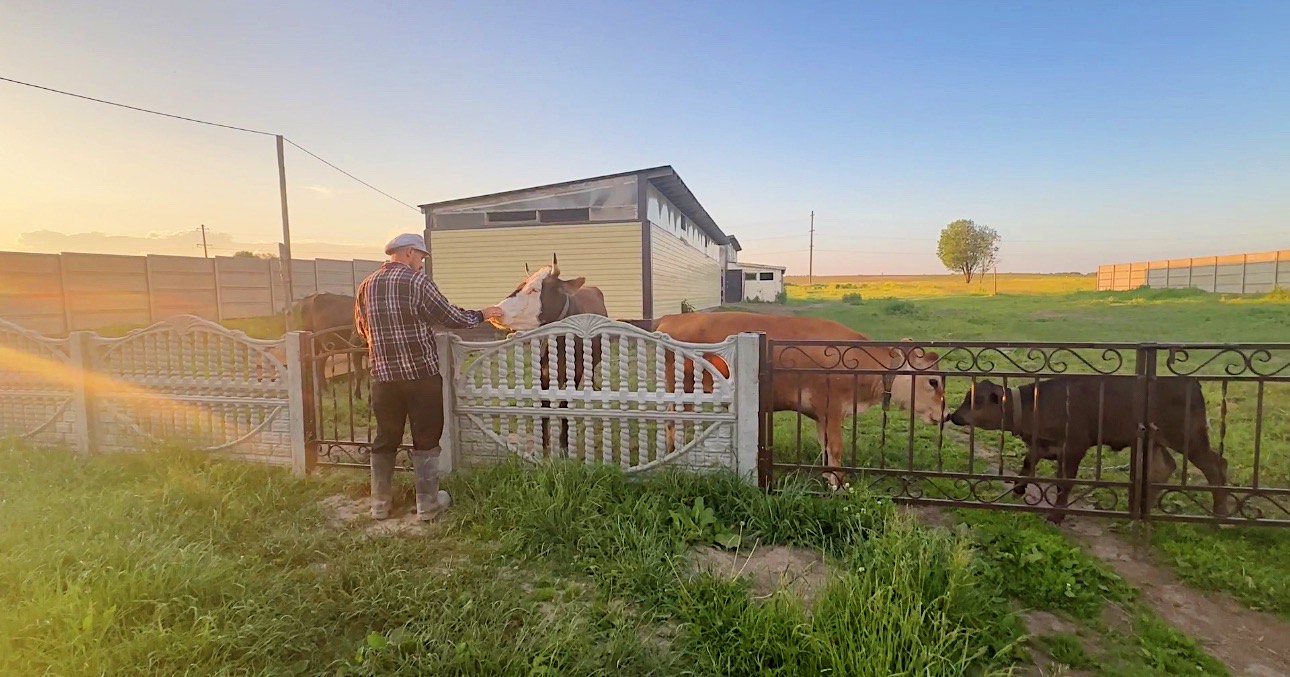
(1084, 133)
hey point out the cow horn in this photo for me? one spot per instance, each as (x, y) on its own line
(526, 268)
(553, 261)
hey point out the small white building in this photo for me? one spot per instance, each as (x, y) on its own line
(753, 282)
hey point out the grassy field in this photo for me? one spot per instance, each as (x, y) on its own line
(920, 286)
(172, 563)
(1251, 563)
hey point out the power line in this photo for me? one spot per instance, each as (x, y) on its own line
(213, 124)
(351, 175)
(141, 110)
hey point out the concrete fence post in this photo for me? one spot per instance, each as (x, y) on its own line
(81, 367)
(304, 458)
(450, 448)
(747, 371)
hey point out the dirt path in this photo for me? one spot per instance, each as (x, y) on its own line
(1250, 643)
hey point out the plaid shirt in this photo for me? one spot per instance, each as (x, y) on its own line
(395, 311)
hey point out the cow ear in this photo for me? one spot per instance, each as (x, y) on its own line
(572, 286)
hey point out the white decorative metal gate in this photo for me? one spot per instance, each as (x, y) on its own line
(37, 388)
(603, 392)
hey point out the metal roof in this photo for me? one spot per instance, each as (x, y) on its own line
(664, 178)
(748, 264)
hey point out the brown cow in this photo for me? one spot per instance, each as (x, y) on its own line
(825, 398)
(1065, 423)
(330, 317)
(544, 298)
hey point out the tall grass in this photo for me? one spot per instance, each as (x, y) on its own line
(904, 600)
(174, 564)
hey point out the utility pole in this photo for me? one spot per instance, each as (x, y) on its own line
(205, 252)
(285, 258)
(810, 265)
(996, 279)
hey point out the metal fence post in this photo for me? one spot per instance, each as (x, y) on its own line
(304, 456)
(81, 355)
(1140, 466)
(747, 404)
(447, 372)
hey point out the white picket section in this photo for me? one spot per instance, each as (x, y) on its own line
(637, 383)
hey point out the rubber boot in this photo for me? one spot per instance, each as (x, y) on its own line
(430, 498)
(382, 484)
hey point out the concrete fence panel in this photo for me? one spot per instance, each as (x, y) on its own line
(182, 285)
(31, 292)
(1253, 273)
(101, 290)
(245, 287)
(334, 276)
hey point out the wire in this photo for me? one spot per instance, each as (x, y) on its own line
(213, 124)
(141, 110)
(350, 175)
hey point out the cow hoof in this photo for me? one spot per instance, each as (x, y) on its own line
(1019, 489)
(1056, 518)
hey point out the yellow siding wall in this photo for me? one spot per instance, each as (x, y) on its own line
(478, 268)
(681, 272)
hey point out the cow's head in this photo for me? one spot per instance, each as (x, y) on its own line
(982, 407)
(540, 299)
(923, 390)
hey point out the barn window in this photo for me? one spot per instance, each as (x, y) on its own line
(560, 215)
(767, 276)
(508, 217)
(750, 276)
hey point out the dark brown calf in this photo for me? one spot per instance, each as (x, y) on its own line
(1062, 418)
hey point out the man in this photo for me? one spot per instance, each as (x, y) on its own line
(395, 309)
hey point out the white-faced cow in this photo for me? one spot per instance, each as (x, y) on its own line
(544, 298)
(827, 398)
(331, 319)
(1061, 418)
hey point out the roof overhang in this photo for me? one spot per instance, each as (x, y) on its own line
(739, 265)
(665, 179)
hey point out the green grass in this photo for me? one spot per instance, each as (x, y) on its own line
(918, 286)
(173, 563)
(1251, 563)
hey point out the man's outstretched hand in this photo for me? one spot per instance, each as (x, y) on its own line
(492, 313)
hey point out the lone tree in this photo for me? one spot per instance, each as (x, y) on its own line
(967, 248)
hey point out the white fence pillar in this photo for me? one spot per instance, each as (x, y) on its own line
(303, 458)
(449, 449)
(747, 372)
(81, 367)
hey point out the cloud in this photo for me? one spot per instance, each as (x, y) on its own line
(321, 190)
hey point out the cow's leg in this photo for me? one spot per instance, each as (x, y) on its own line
(829, 426)
(1214, 468)
(1160, 468)
(1068, 462)
(1033, 456)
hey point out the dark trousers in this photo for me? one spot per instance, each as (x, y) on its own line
(397, 402)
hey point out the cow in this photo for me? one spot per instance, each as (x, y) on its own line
(331, 319)
(1064, 424)
(544, 298)
(825, 398)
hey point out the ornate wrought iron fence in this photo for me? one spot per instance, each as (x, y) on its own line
(1151, 416)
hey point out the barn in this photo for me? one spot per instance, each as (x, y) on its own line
(753, 282)
(641, 236)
